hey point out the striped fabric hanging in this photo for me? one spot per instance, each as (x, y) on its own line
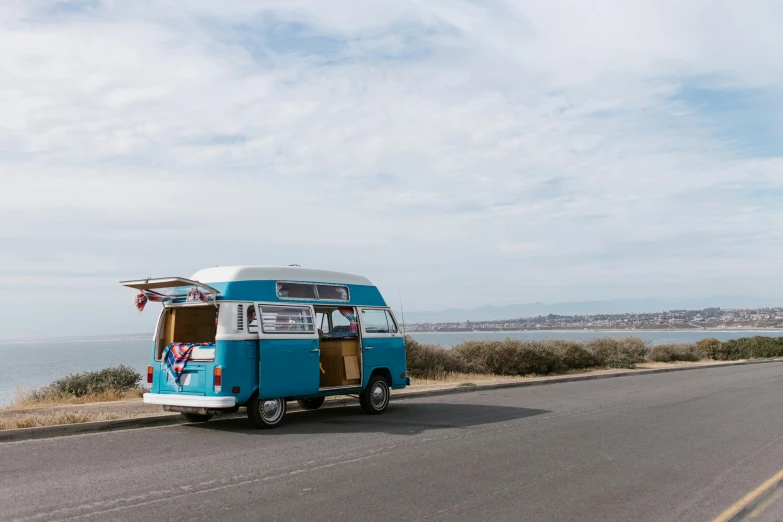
(176, 355)
(140, 301)
(348, 313)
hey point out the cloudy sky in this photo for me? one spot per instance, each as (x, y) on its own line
(467, 152)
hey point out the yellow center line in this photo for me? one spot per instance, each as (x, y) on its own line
(748, 499)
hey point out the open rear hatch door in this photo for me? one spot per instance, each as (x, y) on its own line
(173, 288)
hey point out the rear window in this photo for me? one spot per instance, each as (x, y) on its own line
(286, 319)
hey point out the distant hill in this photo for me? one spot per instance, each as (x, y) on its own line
(619, 306)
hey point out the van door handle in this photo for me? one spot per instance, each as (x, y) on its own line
(368, 347)
(315, 350)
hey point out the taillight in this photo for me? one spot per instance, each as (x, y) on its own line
(218, 380)
(149, 376)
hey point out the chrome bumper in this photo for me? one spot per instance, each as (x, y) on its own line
(190, 401)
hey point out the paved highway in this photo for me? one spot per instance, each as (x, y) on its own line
(672, 446)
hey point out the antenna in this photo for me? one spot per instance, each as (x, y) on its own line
(402, 310)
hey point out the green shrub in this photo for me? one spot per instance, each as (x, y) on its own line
(520, 357)
(119, 378)
(673, 352)
(573, 354)
(506, 357)
(428, 360)
(618, 353)
(760, 347)
(532, 358)
(708, 347)
(496, 357)
(756, 347)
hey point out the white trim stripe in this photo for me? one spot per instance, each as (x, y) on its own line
(222, 274)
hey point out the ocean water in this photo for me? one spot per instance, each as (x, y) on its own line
(34, 364)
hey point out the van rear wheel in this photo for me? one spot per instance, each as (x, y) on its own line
(375, 397)
(313, 403)
(196, 417)
(266, 413)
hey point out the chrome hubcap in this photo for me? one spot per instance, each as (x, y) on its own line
(271, 410)
(378, 396)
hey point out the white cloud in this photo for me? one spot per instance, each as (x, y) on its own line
(546, 144)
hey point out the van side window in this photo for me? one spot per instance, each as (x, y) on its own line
(333, 293)
(392, 324)
(378, 321)
(287, 319)
(295, 290)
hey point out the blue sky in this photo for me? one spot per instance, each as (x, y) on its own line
(467, 152)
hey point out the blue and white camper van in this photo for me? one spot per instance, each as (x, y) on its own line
(260, 336)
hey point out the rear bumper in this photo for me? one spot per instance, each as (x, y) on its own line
(191, 401)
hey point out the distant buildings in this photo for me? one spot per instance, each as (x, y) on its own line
(672, 319)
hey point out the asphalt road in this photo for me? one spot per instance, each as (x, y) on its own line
(770, 509)
(673, 446)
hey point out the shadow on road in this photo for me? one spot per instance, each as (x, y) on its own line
(400, 419)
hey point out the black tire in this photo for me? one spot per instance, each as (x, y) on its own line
(266, 413)
(313, 403)
(196, 417)
(375, 397)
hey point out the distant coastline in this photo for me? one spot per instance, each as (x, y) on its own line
(599, 330)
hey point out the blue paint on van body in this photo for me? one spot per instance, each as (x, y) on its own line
(288, 368)
(238, 361)
(386, 353)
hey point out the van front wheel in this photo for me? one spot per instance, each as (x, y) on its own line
(375, 397)
(266, 413)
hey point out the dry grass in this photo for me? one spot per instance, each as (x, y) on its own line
(26, 400)
(461, 378)
(10, 422)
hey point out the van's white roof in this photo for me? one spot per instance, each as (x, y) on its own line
(223, 274)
